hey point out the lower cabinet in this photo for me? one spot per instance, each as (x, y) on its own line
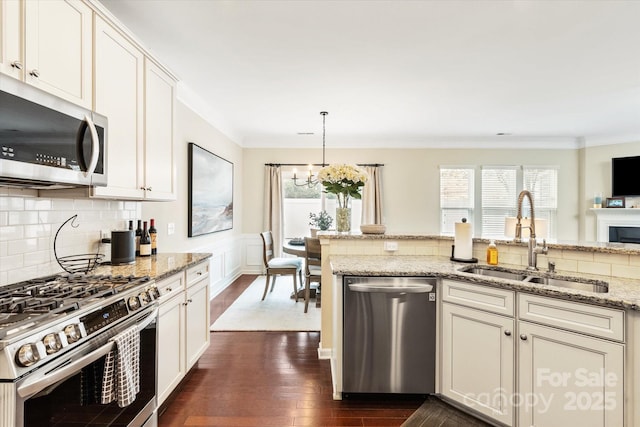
(547, 364)
(478, 360)
(183, 326)
(568, 379)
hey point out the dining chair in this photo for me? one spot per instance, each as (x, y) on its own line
(313, 267)
(278, 266)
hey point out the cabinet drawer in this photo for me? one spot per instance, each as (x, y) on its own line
(588, 319)
(197, 273)
(170, 286)
(486, 298)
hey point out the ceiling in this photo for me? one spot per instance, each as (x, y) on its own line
(451, 73)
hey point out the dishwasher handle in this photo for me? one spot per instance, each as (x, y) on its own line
(363, 287)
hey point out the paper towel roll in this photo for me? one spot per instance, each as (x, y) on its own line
(463, 241)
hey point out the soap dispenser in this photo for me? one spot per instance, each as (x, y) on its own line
(492, 253)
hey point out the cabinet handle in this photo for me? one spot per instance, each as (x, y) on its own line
(169, 289)
(523, 337)
(189, 300)
(145, 188)
(17, 64)
(507, 333)
(35, 73)
(199, 273)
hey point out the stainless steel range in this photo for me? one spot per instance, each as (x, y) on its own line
(55, 333)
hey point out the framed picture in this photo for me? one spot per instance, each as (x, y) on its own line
(210, 192)
(615, 202)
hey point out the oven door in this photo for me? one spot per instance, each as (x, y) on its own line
(68, 391)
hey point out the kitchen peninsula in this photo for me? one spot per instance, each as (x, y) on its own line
(521, 332)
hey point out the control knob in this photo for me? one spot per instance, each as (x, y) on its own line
(133, 303)
(27, 355)
(73, 333)
(52, 343)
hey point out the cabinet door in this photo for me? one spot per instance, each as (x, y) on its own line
(478, 360)
(171, 361)
(197, 325)
(11, 30)
(568, 379)
(58, 46)
(159, 162)
(119, 78)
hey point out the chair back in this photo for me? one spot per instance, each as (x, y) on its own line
(313, 254)
(267, 247)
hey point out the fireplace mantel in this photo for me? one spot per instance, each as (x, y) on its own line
(614, 217)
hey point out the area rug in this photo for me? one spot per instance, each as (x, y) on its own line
(278, 311)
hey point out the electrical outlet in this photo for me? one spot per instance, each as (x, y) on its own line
(171, 228)
(390, 246)
(105, 234)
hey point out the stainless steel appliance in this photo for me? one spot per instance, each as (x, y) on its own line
(55, 333)
(389, 335)
(47, 142)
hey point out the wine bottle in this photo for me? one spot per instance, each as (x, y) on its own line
(145, 242)
(154, 237)
(130, 225)
(138, 236)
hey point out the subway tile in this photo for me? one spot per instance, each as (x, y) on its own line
(21, 274)
(4, 219)
(594, 268)
(620, 259)
(62, 204)
(634, 260)
(577, 255)
(37, 230)
(23, 217)
(38, 258)
(22, 246)
(4, 280)
(11, 203)
(568, 265)
(632, 272)
(11, 262)
(82, 204)
(3, 249)
(37, 204)
(11, 232)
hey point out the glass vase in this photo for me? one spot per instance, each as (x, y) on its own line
(343, 220)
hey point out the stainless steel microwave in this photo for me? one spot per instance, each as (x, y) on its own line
(48, 142)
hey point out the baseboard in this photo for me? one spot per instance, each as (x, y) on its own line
(324, 353)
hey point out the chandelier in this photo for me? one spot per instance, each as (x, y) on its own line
(310, 180)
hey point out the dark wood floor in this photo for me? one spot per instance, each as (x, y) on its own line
(255, 379)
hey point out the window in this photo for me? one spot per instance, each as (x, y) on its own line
(299, 202)
(498, 193)
(456, 197)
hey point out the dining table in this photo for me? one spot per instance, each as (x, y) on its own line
(299, 251)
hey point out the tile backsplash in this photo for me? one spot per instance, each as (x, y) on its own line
(28, 225)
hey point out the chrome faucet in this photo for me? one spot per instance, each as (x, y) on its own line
(534, 249)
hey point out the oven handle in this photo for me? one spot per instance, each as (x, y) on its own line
(30, 388)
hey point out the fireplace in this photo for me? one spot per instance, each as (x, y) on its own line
(618, 225)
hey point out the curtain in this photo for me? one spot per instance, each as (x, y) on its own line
(273, 212)
(372, 196)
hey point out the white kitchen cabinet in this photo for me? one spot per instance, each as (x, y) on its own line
(11, 30)
(478, 360)
(171, 358)
(569, 379)
(159, 112)
(48, 44)
(183, 325)
(119, 95)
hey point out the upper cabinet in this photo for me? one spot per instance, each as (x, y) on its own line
(48, 44)
(159, 162)
(119, 95)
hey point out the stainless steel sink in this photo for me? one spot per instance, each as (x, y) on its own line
(526, 276)
(494, 272)
(591, 286)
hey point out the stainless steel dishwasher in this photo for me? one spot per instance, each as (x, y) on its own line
(389, 335)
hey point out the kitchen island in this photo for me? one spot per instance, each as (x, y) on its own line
(516, 330)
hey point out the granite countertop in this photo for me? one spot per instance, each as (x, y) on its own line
(623, 293)
(602, 247)
(156, 266)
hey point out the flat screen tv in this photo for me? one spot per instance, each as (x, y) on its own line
(624, 176)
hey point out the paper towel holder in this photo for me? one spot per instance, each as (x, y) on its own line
(470, 260)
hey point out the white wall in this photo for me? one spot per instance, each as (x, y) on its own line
(226, 246)
(596, 177)
(411, 181)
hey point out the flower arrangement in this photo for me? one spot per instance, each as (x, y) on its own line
(344, 181)
(322, 220)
